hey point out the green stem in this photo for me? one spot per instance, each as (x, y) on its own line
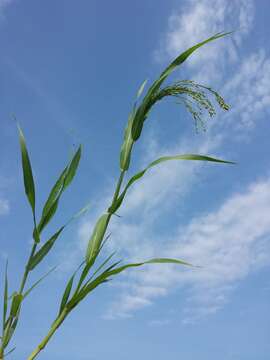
(22, 285)
(65, 312)
(118, 186)
(47, 338)
(2, 348)
(26, 270)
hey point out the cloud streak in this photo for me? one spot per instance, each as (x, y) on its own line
(229, 242)
(196, 21)
(4, 207)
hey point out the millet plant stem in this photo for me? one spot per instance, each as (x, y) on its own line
(59, 320)
(47, 338)
(26, 271)
(22, 285)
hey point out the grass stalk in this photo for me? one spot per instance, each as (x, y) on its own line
(26, 271)
(59, 320)
(21, 288)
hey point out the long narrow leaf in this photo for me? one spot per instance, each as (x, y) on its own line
(63, 181)
(78, 214)
(126, 147)
(151, 261)
(68, 289)
(15, 304)
(66, 293)
(141, 88)
(142, 112)
(5, 305)
(102, 265)
(10, 351)
(80, 293)
(72, 169)
(29, 185)
(43, 251)
(53, 196)
(140, 174)
(111, 271)
(97, 237)
(182, 57)
(46, 217)
(37, 282)
(10, 331)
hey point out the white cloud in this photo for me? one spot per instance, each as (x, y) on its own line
(4, 207)
(242, 79)
(197, 20)
(248, 91)
(230, 243)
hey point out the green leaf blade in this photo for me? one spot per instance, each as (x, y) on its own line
(66, 293)
(61, 184)
(185, 55)
(29, 185)
(54, 193)
(72, 169)
(133, 179)
(97, 237)
(15, 304)
(141, 88)
(5, 304)
(38, 282)
(44, 250)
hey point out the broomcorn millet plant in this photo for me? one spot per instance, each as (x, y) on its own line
(198, 100)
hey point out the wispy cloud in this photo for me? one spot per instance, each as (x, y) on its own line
(4, 203)
(248, 90)
(195, 21)
(229, 242)
(4, 207)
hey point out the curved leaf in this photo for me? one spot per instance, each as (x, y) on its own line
(43, 251)
(59, 187)
(97, 237)
(126, 147)
(104, 277)
(15, 304)
(151, 261)
(141, 88)
(72, 169)
(37, 282)
(142, 112)
(9, 352)
(29, 185)
(66, 293)
(53, 196)
(5, 304)
(140, 174)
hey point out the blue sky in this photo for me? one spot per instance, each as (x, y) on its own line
(69, 72)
